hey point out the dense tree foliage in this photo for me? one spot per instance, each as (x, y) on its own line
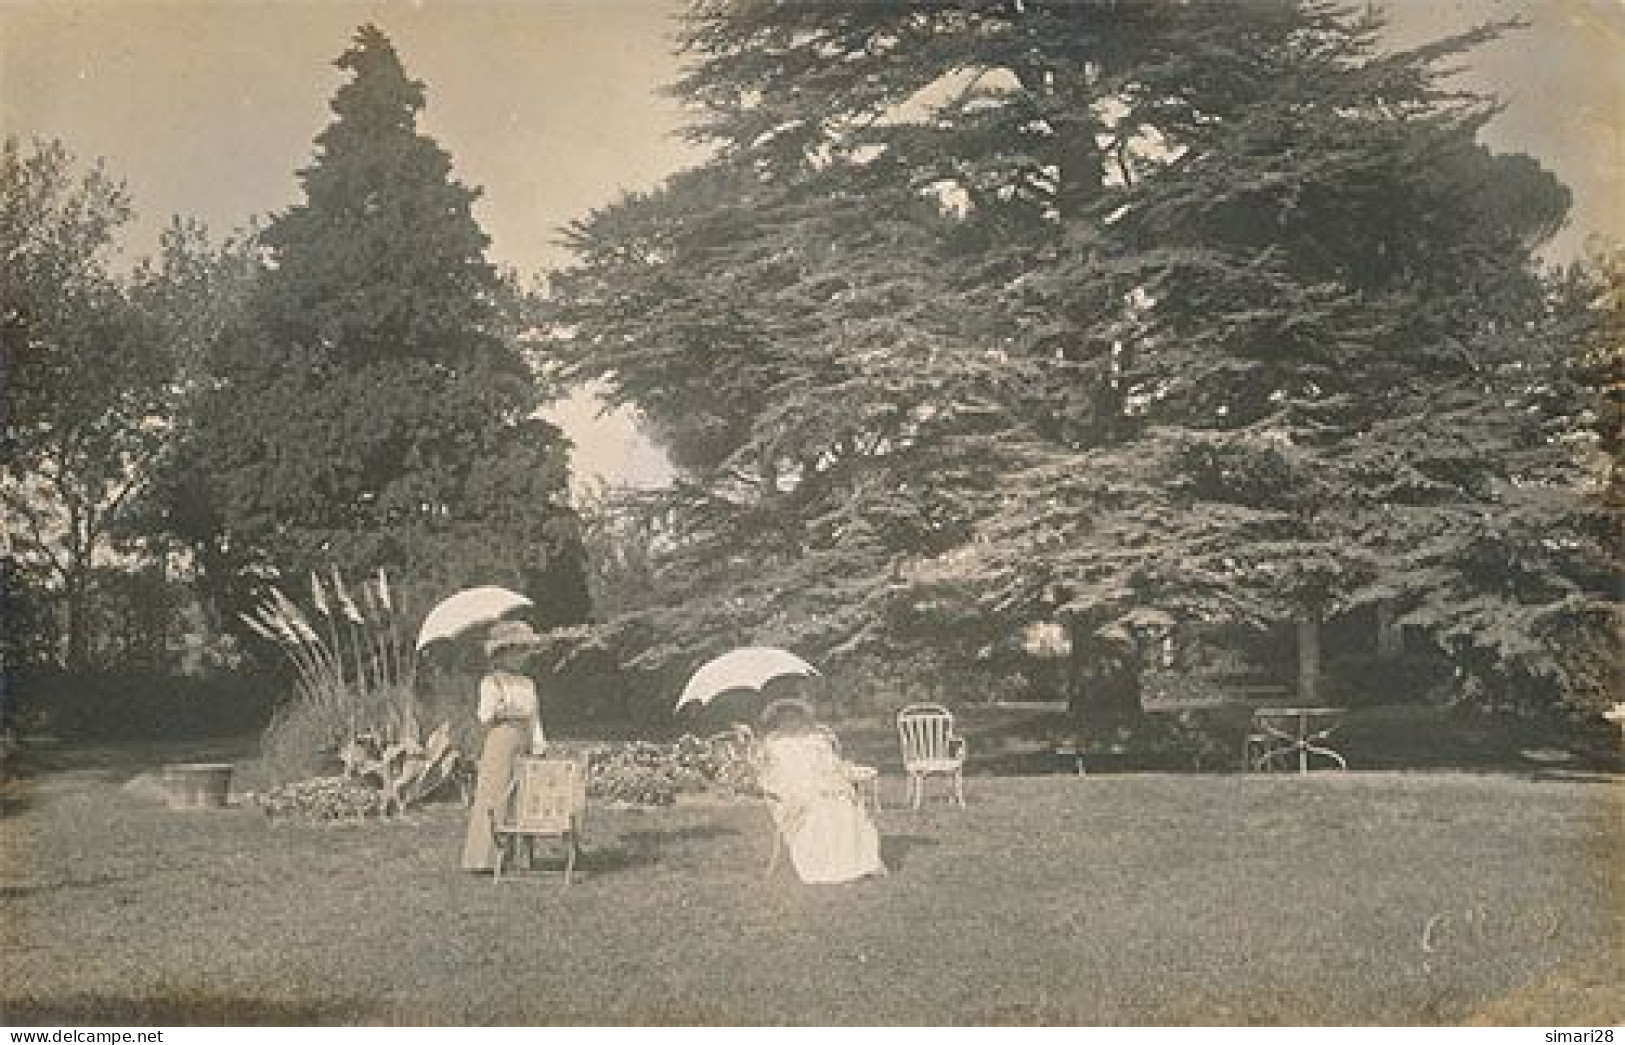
(101, 365)
(372, 404)
(87, 386)
(990, 310)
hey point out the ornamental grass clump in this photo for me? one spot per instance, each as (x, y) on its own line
(355, 700)
(355, 660)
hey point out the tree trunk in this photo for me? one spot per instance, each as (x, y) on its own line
(1390, 638)
(1309, 658)
(75, 623)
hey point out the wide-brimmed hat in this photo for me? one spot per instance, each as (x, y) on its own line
(511, 636)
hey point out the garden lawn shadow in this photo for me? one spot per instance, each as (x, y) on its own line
(895, 849)
(644, 847)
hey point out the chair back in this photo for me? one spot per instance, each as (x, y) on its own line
(831, 737)
(783, 706)
(548, 794)
(926, 733)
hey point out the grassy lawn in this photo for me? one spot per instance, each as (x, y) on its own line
(1377, 897)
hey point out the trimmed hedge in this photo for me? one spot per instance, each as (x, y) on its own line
(138, 705)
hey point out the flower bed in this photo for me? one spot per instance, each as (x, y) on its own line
(631, 773)
(322, 798)
(645, 773)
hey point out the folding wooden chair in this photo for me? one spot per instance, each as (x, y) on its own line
(547, 799)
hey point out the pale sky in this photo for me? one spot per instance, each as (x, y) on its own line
(207, 107)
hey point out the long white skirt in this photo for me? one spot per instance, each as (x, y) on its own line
(834, 841)
(827, 831)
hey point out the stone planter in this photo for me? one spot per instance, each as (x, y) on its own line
(201, 785)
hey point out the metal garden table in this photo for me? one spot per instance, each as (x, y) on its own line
(1302, 732)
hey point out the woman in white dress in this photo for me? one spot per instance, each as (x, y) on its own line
(511, 713)
(825, 828)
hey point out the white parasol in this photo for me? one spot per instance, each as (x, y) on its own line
(750, 667)
(466, 610)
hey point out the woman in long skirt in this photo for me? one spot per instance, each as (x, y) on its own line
(828, 834)
(512, 715)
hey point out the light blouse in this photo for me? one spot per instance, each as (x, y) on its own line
(508, 697)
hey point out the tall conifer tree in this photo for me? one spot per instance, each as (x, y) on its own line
(374, 407)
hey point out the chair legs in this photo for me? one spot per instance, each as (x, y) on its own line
(778, 844)
(572, 850)
(1258, 753)
(916, 788)
(503, 841)
(1253, 749)
(508, 845)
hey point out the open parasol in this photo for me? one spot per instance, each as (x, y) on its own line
(467, 610)
(748, 668)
